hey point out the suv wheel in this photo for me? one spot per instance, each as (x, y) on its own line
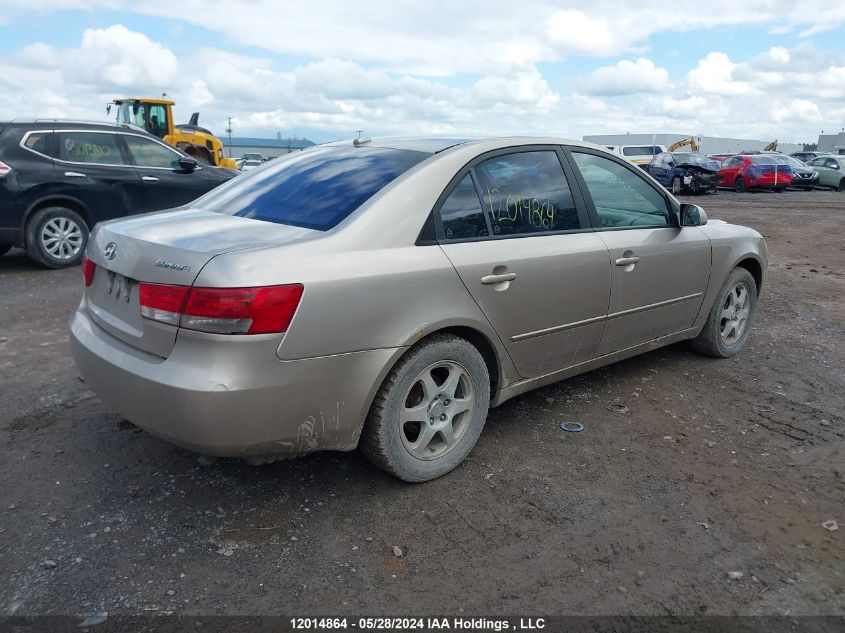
(429, 411)
(56, 237)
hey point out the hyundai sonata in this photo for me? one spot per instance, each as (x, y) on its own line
(385, 293)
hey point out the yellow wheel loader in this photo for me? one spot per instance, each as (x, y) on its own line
(156, 117)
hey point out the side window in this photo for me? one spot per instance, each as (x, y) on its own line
(621, 196)
(90, 147)
(149, 153)
(461, 213)
(526, 192)
(831, 162)
(39, 142)
(734, 162)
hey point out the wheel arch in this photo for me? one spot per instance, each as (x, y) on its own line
(753, 266)
(59, 200)
(499, 368)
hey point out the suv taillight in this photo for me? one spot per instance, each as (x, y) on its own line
(261, 310)
(4, 169)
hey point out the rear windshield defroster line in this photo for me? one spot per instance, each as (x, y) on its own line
(315, 189)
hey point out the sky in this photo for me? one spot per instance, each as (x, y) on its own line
(324, 69)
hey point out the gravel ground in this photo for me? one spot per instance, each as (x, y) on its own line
(689, 503)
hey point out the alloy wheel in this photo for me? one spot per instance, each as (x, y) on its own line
(62, 238)
(437, 410)
(735, 313)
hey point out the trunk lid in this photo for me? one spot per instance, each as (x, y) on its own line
(164, 248)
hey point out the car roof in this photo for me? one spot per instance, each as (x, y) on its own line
(51, 124)
(439, 143)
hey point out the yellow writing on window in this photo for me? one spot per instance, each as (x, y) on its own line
(518, 208)
(78, 150)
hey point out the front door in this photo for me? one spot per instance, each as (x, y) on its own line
(165, 183)
(526, 253)
(661, 169)
(659, 271)
(729, 172)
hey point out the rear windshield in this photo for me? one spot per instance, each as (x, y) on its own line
(315, 189)
(641, 151)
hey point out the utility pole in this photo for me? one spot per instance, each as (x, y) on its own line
(229, 132)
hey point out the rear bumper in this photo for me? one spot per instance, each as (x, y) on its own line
(232, 398)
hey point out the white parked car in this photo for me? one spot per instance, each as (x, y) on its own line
(640, 155)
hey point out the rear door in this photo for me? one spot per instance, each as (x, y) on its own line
(659, 270)
(165, 183)
(521, 243)
(92, 168)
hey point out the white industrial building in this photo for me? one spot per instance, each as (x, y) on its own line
(706, 144)
(237, 146)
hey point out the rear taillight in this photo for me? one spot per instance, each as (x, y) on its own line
(88, 268)
(162, 303)
(262, 310)
(4, 169)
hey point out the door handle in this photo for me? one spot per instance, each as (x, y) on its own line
(627, 261)
(149, 178)
(75, 174)
(497, 279)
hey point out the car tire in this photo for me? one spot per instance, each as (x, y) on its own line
(56, 237)
(5, 248)
(731, 317)
(808, 188)
(444, 382)
(842, 185)
(739, 185)
(676, 186)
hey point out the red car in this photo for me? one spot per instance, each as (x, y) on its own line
(754, 171)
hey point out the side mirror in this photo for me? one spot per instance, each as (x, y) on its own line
(187, 164)
(692, 215)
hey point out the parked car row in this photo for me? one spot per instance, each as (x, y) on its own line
(690, 172)
(59, 178)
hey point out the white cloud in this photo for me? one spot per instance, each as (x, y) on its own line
(525, 88)
(628, 77)
(802, 110)
(573, 30)
(714, 75)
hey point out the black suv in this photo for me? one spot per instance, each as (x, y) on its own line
(59, 178)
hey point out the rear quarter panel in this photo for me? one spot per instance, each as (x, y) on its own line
(361, 300)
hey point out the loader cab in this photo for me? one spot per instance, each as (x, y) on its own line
(153, 116)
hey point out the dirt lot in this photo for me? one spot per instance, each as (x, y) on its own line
(645, 512)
